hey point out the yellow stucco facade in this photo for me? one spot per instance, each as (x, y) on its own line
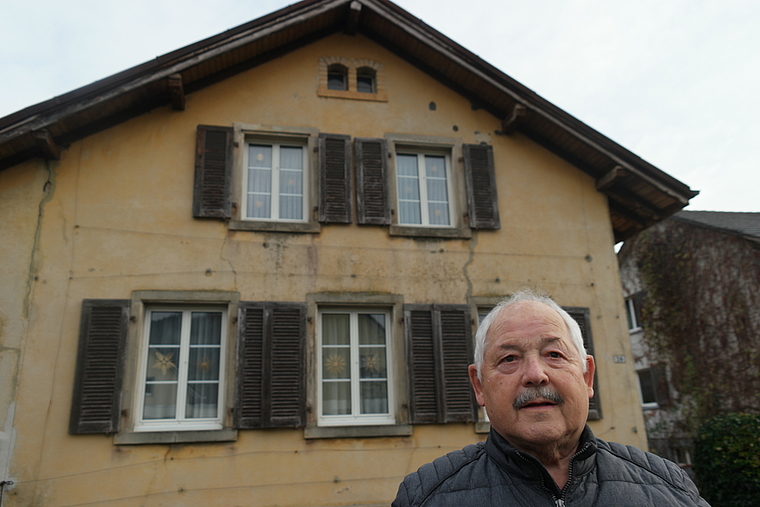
(113, 217)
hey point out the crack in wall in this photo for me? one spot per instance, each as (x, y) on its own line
(48, 190)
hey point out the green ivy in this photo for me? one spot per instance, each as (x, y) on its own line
(727, 460)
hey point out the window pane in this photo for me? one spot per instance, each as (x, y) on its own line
(259, 156)
(165, 328)
(407, 165)
(437, 190)
(438, 213)
(259, 206)
(202, 400)
(206, 328)
(336, 398)
(647, 386)
(371, 328)
(160, 401)
(336, 78)
(335, 329)
(291, 157)
(409, 213)
(203, 363)
(336, 363)
(162, 364)
(259, 181)
(373, 363)
(374, 397)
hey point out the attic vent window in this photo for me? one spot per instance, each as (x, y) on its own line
(365, 80)
(345, 78)
(337, 77)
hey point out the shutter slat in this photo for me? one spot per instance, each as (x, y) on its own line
(100, 364)
(334, 178)
(213, 172)
(481, 186)
(371, 181)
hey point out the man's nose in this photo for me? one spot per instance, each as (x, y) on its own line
(534, 373)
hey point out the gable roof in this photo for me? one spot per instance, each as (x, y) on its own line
(741, 223)
(639, 193)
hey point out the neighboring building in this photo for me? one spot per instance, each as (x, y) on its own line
(692, 289)
(257, 262)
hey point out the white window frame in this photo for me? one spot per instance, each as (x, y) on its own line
(421, 152)
(181, 423)
(630, 310)
(277, 142)
(356, 418)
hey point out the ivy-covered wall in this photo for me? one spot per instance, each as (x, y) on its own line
(699, 294)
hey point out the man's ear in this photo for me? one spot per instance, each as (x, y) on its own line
(588, 375)
(477, 385)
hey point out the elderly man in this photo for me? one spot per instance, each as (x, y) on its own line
(532, 374)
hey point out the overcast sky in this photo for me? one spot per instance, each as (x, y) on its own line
(675, 81)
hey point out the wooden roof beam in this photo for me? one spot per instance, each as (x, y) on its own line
(511, 122)
(608, 180)
(352, 21)
(46, 144)
(176, 91)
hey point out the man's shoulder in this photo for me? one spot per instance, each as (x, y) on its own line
(430, 476)
(649, 467)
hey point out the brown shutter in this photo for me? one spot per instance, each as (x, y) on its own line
(421, 353)
(456, 352)
(271, 377)
(334, 179)
(581, 316)
(481, 186)
(439, 347)
(371, 181)
(96, 404)
(213, 172)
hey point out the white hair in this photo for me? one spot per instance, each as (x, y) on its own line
(526, 295)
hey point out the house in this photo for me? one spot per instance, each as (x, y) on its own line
(248, 272)
(692, 289)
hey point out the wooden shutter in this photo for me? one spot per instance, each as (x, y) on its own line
(439, 348)
(581, 316)
(334, 179)
(271, 372)
(213, 172)
(96, 403)
(481, 186)
(372, 181)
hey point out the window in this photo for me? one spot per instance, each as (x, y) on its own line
(337, 77)
(365, 80)
(275, 180)
(187, 368)
(653, 385)
(182, 369)
(631, 311)
(424, 189)
(354, 353)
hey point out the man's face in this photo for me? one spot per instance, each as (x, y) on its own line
(528, 346)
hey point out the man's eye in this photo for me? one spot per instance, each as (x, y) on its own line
(555, 355)
(508, 359)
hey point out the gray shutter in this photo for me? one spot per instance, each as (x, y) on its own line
(372, 181)
(481, 186)
(271, 373)
(213, 172)
(334, 178)
(581, 316)
(96, 403)
(439, 349)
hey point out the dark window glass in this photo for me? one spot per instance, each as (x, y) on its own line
(337, 77)
(365, 80)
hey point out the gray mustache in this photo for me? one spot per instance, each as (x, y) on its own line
(531, 393)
